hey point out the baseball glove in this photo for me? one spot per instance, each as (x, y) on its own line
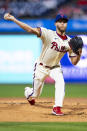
(76, 43)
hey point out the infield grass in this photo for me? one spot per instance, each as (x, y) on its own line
(44, 126)
(72, 90)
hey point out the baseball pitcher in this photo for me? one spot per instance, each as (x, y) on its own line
(54, 45)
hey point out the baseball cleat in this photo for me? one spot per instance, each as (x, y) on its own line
(57, 111)
(31, 102)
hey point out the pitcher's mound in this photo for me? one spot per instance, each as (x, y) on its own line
(19, 110)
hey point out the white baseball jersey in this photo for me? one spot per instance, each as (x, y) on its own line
(54, 47)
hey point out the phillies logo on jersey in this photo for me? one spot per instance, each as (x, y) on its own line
(58, 48)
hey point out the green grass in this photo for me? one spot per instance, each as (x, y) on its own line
(76, 90)
(72, 90)
(44, 126)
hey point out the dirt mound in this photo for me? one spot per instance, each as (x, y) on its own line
(18, 110)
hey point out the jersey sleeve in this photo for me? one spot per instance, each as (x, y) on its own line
(44, 34)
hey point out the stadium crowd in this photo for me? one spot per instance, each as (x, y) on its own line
(44, 8)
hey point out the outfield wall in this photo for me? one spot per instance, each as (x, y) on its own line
(74, 25)
(19, 52)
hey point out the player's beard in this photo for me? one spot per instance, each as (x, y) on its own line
(62, 30)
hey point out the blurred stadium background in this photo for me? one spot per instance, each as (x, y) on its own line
(19, 50)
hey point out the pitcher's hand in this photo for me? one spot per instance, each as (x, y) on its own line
(7, 16)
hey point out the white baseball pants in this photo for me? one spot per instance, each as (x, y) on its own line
(40, 73)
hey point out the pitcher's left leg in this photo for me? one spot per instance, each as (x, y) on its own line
(57, 75)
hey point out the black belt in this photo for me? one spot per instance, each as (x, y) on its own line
(49, 66)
